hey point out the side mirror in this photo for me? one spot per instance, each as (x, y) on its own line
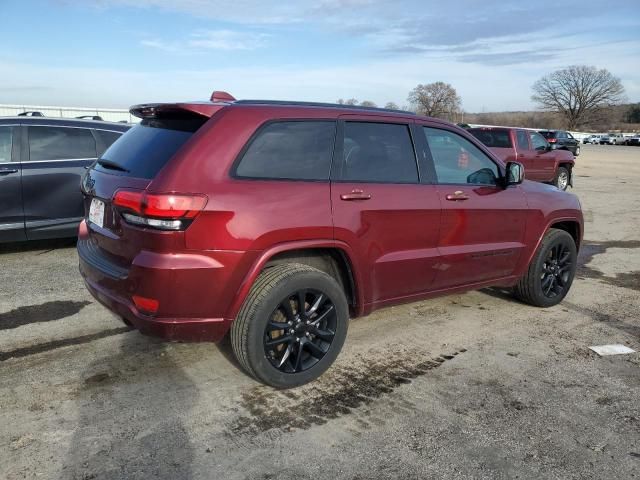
(514, 174)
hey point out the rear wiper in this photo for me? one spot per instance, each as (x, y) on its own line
(111, 165)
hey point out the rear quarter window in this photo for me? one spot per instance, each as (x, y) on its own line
(107, 138)
(294, 150)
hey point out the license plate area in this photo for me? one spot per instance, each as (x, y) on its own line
(96, 212)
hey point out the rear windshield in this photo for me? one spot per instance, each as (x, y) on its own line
(493, 138)
(548, 135)
(144, 149)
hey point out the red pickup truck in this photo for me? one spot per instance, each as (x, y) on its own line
(541, 162)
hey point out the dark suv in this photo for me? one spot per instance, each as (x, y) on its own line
(278, 221)
(41, 163)
(561, 140)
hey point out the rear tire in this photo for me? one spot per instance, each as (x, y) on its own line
(292, 325)
(562, 178)
(577, 151)
(551, 271)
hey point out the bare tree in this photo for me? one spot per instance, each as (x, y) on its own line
(367, 103)
(435, 99)
(392, 106)
(577, 93)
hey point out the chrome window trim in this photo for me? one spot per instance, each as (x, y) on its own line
(70, 126)
(56, 160)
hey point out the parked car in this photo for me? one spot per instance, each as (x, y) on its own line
(561, 140)
(31, 114)
(593, 139)
(41, 163)
(542, 163)
(612, 139)
(632, 141)
(280, 220)
(90, 117)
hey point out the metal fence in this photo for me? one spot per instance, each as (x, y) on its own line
(107, 114)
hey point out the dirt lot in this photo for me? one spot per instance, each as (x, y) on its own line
(466, 386)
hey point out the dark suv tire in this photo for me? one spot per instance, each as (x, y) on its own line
(550, 272)
(292, 325)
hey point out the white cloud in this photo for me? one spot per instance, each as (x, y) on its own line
(224, 40)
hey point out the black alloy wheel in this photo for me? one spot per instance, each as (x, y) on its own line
(300, 331)
(556, 271)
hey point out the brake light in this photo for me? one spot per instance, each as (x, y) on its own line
(165, 211)
(552, 140)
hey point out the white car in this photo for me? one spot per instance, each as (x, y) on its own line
(612, 139)
(594, 139)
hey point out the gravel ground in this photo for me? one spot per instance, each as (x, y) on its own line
(466, 386)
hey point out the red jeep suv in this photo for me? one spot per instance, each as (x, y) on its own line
(280, 220)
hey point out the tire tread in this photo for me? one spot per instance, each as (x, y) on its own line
(266, 281)
(524, 290)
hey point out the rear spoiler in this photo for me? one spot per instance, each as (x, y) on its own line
(150, 110)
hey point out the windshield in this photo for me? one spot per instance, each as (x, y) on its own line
(147, 147)
(548, 134)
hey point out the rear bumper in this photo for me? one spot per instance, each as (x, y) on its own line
(176, 329)
(194, 290)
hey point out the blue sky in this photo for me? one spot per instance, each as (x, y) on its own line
(114, 53)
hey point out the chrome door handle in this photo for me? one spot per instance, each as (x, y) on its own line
(457, 196)
(7, 171)
(355, 195)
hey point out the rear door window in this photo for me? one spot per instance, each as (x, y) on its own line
(294, 150)
(60, 143)
(144, 149)
(379, 153)
(5, 144)
(522, 139)
(493, 138)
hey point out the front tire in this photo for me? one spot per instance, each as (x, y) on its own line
(292, 325)
(551, 271)
(577, 151)
(562, 178)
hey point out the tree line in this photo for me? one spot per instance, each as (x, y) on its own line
(572, 98)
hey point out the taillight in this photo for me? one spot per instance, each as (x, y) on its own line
(552, 140)
(166, 211)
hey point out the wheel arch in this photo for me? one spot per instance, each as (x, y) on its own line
(570, 225)
(329, 256)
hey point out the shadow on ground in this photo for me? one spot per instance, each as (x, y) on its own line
(131, 407)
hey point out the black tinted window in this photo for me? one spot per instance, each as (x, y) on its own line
(378, 152)
(548, 135)
(538, 142)
(60, 143)
(5, 144)
(458, 161)
(493, 138)
(293, 150)
(107, 137)
(523, 139)
(144, 149)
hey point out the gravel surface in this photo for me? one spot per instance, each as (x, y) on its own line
(466, 386)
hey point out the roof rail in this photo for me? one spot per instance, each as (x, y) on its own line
(320, 104)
